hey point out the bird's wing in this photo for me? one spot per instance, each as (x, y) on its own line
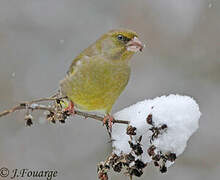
(88, 54)
(74, 63)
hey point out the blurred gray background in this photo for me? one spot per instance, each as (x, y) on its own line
(39, 39)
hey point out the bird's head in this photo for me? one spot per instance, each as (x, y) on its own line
(119, 44)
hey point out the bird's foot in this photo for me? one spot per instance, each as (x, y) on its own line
(70, 109)
(108, 121)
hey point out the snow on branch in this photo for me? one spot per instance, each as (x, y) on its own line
(152, 131)
(157, 133)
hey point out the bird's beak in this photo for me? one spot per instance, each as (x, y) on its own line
(134, 45)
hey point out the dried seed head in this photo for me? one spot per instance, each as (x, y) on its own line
(136, 148)
(103, 176)
(107, 166)
(117, 167)
(163, 169)
(136, 172)
(66, 113)
(150, 151)
(149, 119)
(138, 151)
(62, 121)
(131, 144)
(50, 114)
(28, 118)
(171, 157)
(129, 158)
(102, 171)
(29, 122)
(113, 159)
(131, 130)
(156, 163)
(139, 164)
(23, 104)
(164, 126)
(53, 121)
(157, 157)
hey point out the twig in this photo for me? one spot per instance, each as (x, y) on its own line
(23, 106)
(31, 105)
(99, 118)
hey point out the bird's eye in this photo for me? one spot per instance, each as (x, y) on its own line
(120, 37)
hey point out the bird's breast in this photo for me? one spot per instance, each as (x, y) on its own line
(96, 84)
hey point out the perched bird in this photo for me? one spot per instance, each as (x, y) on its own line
(99, 74)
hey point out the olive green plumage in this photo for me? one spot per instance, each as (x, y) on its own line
(100, 73)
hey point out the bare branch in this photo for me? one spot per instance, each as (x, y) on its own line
(23, 106)
(54, 109)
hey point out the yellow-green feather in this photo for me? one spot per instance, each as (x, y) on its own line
(99, 74)
(97, 89)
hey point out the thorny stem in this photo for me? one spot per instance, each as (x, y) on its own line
(28, 105)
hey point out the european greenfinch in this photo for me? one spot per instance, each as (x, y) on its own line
(99, 74)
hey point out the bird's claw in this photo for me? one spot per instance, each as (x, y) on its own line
(108, 121)
(70, 109)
